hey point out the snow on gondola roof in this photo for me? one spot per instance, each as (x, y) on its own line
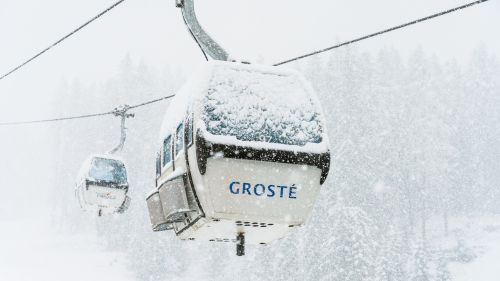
(239, 98)
(183, 99)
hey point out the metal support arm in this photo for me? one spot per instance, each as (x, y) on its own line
(207, 45)
(121, 112)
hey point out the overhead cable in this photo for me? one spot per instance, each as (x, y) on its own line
(382, 32)
(62, 39)
(276, 64)
(150, 102)
(112, 112)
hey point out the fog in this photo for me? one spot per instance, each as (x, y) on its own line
(141, 50)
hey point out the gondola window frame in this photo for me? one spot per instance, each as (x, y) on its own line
(179, 139)
(158, 164)
(189, 129)
(167, 143)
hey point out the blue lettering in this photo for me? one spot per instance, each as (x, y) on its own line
(263, 189)
(281, 191)
(292, 191)
(246, 187)
(259, 189)
(231, 187)
(271, 191)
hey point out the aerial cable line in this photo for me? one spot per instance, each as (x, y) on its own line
(276, 64)
(382, 32)
(112, 112)
(150, 102)
(62, 39)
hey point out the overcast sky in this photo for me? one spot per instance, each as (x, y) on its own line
(153, 30)
(273, 30)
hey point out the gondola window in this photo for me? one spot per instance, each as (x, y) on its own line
(167, 150)
(108, 170)
(189, 129)
(248, 111)
(158, 164)
(179, 139)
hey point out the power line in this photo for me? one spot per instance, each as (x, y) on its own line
(112, 112)
(382, 32)
(62, 39)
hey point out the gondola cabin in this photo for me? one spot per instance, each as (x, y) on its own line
(102, 185)
(243, 153)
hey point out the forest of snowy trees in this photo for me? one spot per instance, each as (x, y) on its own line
(415, 148)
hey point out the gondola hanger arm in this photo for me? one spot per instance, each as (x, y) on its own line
(121, 112)
(207, 44)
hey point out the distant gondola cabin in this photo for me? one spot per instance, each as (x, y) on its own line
(102, 185)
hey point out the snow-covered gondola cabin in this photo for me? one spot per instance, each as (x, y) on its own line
(102, 185)
(243, 152)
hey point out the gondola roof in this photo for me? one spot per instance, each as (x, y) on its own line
(232, 87)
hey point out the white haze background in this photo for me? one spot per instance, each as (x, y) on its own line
(412, 117)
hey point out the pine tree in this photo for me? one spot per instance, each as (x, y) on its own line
(350, 251)
(442, 272)
(421, 259)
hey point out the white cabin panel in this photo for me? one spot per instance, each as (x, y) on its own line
(227, 230)
(260, 191)
(104, 198)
